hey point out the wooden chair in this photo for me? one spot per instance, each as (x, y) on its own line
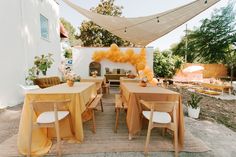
(106, 87)
(49, 118)
(118, 106)
(159, 117)
(99, 90)
(92, 106)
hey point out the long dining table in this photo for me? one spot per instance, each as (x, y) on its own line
(132, 92)
(80, 95)
(126, 79)
(99, 80)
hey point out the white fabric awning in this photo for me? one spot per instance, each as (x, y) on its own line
(143, 30)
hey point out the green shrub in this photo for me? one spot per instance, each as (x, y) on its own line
(165, 64)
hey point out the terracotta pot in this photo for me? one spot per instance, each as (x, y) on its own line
(70, 83)
(143, 84)
(131, 76)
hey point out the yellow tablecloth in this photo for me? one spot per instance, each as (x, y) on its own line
(80, 94)
(131, 92)
(99, 80)
(126, 79)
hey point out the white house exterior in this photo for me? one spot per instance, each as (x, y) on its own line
(28, 28)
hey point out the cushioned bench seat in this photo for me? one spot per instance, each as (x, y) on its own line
(45, 82)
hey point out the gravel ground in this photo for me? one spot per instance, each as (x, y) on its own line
(215, 110)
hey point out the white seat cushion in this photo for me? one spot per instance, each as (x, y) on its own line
(48, 117)
(158, 117)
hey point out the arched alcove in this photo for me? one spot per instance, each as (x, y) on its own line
(95, 66)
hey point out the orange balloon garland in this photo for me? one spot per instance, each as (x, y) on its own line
(114, 54)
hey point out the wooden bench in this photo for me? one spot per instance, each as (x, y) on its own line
(92, 106)
(118, 106)
(217, 87)
(45, 82)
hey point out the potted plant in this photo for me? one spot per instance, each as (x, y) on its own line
(31, 76)
(43, 63)
(68, 53)
(193, 106)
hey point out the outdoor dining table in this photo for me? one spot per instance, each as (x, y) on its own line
(99, 80)
(132, 92)
(126, 79)
(80, 95)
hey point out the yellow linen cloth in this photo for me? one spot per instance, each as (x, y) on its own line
(126, 79)
(80, 94)
(132, 92)
(99, 80)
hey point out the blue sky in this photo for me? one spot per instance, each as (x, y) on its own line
(137, 8)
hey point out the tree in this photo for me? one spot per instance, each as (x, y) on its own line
(216, 34)
(180, 48)
(93, 35)
(166, 64)
(231, 60)
(209, 43)
(71, 31)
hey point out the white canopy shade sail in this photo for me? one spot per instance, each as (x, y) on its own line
(193, 68)
(143, 30)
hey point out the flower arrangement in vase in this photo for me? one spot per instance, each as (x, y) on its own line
(70, 78)
(94, 73)
(68, 75)
(143, 82)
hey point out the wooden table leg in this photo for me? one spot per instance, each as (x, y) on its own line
(130, 136)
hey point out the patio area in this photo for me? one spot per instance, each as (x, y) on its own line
(203, 138)
(111, 78)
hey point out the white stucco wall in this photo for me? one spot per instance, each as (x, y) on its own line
(82, 57)
(21, 41)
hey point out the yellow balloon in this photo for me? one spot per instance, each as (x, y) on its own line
(146, 69)
(141, 66)
(114, 54)
(149, 77)
(114, 47)
(154, 82)
(130, 52)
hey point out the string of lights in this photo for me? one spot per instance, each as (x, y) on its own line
(157, 18)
